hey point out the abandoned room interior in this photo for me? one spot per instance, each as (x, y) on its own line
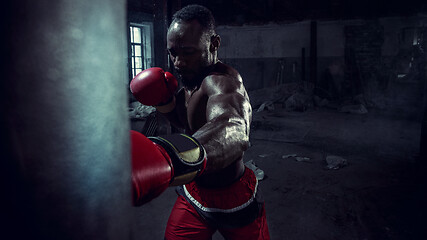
(338, 136)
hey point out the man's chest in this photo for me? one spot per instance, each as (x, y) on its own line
(196, 102)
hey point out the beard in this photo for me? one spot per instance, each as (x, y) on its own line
(192, 80)
(191, 83)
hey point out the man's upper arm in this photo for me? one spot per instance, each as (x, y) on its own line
(227, 96)
(225, 136)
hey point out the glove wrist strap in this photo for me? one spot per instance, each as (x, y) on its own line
(168, 107)
(187, 155)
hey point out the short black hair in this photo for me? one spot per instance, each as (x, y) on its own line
(196, 12)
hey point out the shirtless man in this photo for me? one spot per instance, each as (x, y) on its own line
(214, 109)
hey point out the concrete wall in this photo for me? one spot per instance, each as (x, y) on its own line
(260, 51)
(278, 41)
(269, 54)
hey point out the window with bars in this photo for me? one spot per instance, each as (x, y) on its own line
(141, 47)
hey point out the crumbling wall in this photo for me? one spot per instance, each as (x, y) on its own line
(270, 55)
(358, 60)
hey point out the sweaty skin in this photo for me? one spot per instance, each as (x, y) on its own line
(213, 105)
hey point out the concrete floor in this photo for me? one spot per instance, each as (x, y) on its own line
(370, 198)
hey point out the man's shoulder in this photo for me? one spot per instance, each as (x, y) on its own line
(222, 69)
(223, 72)
(222, 82)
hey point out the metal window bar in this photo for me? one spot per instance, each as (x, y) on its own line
(136, 69)
(144, 43)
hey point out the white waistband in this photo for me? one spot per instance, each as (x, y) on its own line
(235, 209)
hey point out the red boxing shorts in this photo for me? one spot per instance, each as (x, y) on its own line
(236, 211)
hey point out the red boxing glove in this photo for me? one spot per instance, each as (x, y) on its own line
(151, 169)
(153, 86)
(159, 162)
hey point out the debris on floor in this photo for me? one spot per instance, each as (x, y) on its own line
(320, 102)
(299, 102)
(139, 111)
(297, 158)
(302, 159)
(259, 173)
(292, 96)
(289, 155)
(357, 108)
(266, 105)
(335, 162)
(273, 94)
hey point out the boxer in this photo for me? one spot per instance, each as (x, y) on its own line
(218, 193)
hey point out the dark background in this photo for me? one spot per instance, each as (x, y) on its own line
(65, 168)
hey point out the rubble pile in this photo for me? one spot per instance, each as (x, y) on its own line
(291, 96)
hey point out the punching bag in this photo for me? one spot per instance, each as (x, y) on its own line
(65, 134)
